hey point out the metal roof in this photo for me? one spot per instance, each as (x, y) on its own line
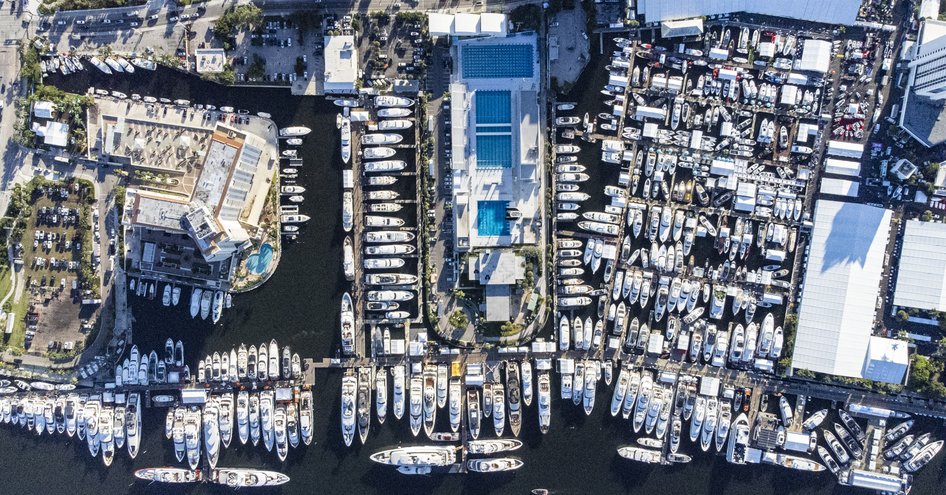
(921, 278)
(842, 283)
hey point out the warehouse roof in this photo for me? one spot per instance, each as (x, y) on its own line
(842, 283)
(921, 278)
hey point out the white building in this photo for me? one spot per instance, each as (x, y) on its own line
(842, 285)
(921, 277)
(826, 11)
(887, 360)
(815, 56)
(462, 24)
(341, 65)
(210, 60)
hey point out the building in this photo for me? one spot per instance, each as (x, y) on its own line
(463, 24)
(53, 133)
(44, 109)
(921, 274)
(210, 60)
(923, 104)
(842, 285)
(826, 11)
(815, 56)
(887, 360)
(684, 28)
(497, 154)
(341, 65)
(199, 236)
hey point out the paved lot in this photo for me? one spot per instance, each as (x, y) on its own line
(567, 33)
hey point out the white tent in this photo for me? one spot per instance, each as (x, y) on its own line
(815, 56)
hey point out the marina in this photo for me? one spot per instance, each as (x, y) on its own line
(661, 287)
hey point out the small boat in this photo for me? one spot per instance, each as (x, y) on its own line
(294, 131)
(494, 465)
(237, 478)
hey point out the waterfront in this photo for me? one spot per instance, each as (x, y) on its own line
(298, 307)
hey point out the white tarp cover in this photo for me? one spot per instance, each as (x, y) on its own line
(842, 283)
(825, 11)
(839, 187)
(842, 167)
(815, 56)
(921, 279)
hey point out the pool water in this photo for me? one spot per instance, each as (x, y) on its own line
(493, 107)
(491, 218)
(497, 61)
(493, 151)
(258, 262)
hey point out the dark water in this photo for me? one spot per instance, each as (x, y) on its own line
(298, 306)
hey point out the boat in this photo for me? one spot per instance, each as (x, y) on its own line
(378, 153)
(397, 373)
(723, 424)
(381, 138)
(494, 465)
(835, 445)
(169, 475)
(196, 296)
(641, 454)
(829, 461)
(347, 325)
(347, 102)
(852, 426)
(211, 433)
(421, 455)
(349, 386)
(898, 431)
(217, 305)
(455, 402)
(514, 397)
(416, 403)
(923, 457)
(499, 409)
(794, 462)
(474, 415)
(381, 394)
(345, 139)
(389, 236)
(292, 218)
(280, 430)
(711, 418)
(273, 360)
(243, 416)
(429, 399)
(387, 101)
(295, 131)
(815, 420)
(394, 112)
(544, 402)
(237, 478)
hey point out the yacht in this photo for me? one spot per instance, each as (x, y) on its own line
(262, 364)
(217, 305)
(192, 437)
(514, 397)
(923, 457)
(723, 424)
(295, 131)
(429, 399)
(281, 432)
(499, 409)
(98, 64)
(267, 408)
(363, 403)
(545, 401)
(225, 418)
(388, 236)
(211, 431)
(292, 424)
(385, 166)
(641, 454)
(381, 394)
(397, 373)
(380, 152)
(205, 300)
(381, 138)
(738, 440)
(710, 421)
(829, 461)
(786, 411)
(169, 475)
(347, 325)
(836, 447)
(196, 296)
(349, 387)
(106, 434)
(630, 397)
(389, 249)
(237, 478)
(306, 416)
(494, 465)
(348, 213)
(643, 400)
(346, 139)
(455, 402)
(527, 392)
(273, 360)
(421, 455)
(243, 416)
(394, 112)
(416, 403)
(177, 434)
(473, 412)
(815, 420)
(393, 102)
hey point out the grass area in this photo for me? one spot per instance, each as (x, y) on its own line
(49, 6)
(5, 282)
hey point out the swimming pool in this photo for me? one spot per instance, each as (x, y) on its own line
(497, 61)
(493, 151)
(491, 218)
(493, 107)
(257, 263)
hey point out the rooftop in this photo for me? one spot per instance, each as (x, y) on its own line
(921, 277)
(842, 284)
(341, 63)
(210, 60)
